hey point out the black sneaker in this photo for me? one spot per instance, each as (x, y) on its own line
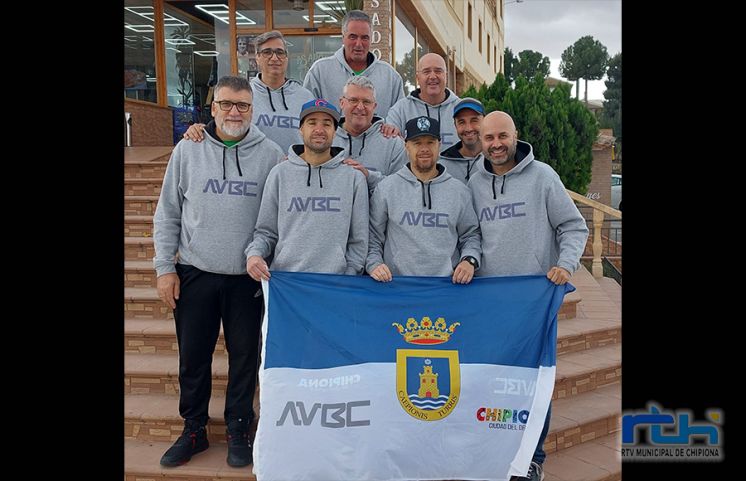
(193, 440)
(535, 473)
(239, 447)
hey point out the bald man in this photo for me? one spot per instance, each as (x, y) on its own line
(530, 226)
(431, 99)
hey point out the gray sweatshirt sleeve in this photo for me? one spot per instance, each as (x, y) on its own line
(395, 116)
(265, 232)
(378, 219)
(167, 218)
(397, 159)
(469, 234)
(568, 224)
(398, 89)
(313, 83)
(357, 241)
(374, 177)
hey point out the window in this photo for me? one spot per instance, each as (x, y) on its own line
(480, 36)
(488, 49)
(469, 21)
(139, 51)
(494, 55)
(405, 56)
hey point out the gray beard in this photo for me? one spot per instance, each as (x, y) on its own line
(236, 132)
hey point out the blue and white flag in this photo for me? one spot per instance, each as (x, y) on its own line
(415, 379)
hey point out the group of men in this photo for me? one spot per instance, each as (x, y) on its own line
(308, 189)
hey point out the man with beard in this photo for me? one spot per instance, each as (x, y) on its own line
(530, 226)
(359, 133)
(206, 213)
(327, 76)
(432, 99)
(314, 212)
(460, 159)
(422, 222)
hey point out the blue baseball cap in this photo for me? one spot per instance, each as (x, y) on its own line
(319, 105)
(468, 103)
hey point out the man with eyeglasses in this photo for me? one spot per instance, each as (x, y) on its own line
(314, 213)
(328, 75)
(204, 220)
(431, 99)
(359, 133)
(277, 99)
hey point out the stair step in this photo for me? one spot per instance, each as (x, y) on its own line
(139, 249)
(159, 374)
(144, 303)
(569, 307)
(143, 186)
(612, 289)
(597, 460)
(141, 463)
(148, 169)
(139, 274)
(138, 225)
(583, 371)
(140, 204)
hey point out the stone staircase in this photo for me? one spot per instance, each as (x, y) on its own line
(584, 439)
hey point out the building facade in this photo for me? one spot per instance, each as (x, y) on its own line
(175, 50)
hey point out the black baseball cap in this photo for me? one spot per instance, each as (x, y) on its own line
(419, 126)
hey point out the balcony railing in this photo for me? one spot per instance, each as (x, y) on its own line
(613, 233)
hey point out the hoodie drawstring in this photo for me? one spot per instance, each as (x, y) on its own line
(238, 164)
(494, 195)
(428, 111)
(502, 189)
(349, 139)
(282, 91)
(269, 94)
(469, 167)
(429, 198)
(308, 181)
(361, 148)
(223, 163)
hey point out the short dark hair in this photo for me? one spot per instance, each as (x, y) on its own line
(234, 83)
(357, 15)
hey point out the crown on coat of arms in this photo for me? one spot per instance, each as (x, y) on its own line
(426, 332)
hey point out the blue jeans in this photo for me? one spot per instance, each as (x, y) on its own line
(539, 454)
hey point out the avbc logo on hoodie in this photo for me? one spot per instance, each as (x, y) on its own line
(426, 219)
(315, 204)
(282, 121)
(504, 211)
(230, 187)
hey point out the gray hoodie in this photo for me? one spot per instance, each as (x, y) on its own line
(276, 111)
(314, 219)
(421, 228)
(460, 167)
(381, 156)
(327, 77)
(210, 201)
(412, 106)
(529, 223)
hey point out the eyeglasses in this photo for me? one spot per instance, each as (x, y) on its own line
(354, 101)
(227, 105)
(267, 52)
(436, 71)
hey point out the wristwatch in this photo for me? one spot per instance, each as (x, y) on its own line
(471, 260)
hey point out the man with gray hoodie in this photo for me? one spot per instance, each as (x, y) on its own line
(422, 222)
(277, 99)
(432, 99)
(530, 226)
(461, 158)
(327, 76)
(204, 220)
(314, 213)
(359, 133)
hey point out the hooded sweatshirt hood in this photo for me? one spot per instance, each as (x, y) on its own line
(210, 200)
(529, 223)
(327, 76)
(460, 167)
(421, 228)
(314, 218)
(277, 111)
(381, 156)
(413, 106)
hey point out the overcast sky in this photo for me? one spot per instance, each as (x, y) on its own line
(550, 26)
